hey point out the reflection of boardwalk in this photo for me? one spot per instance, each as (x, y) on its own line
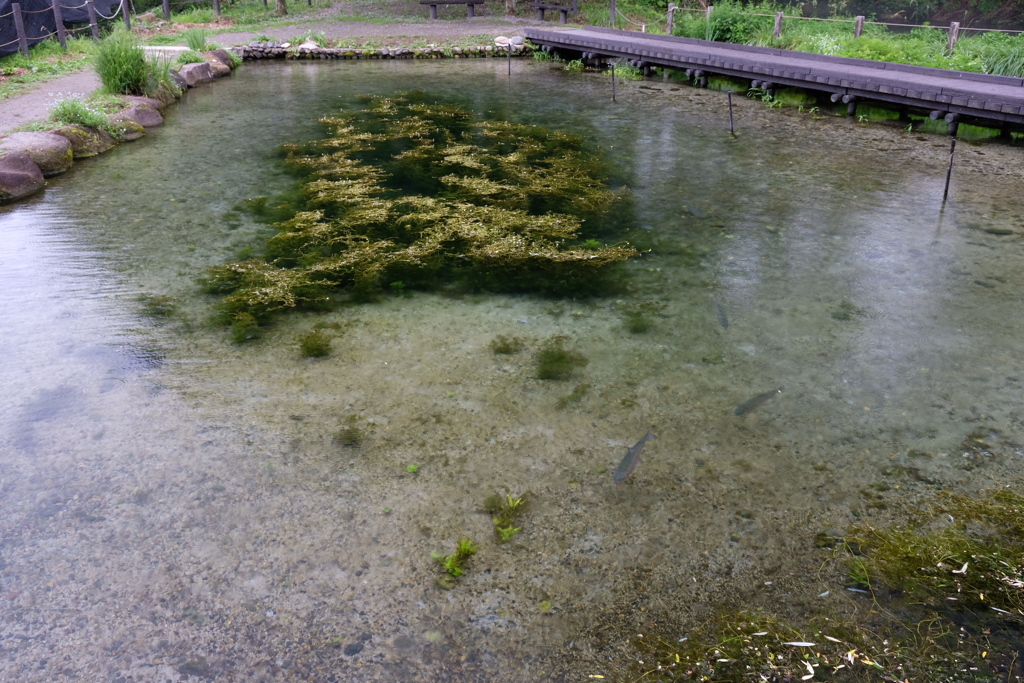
(955, 95)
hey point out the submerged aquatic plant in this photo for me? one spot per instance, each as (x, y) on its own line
(554, 361)
(314, 344)
(454, 564)
(504, 513)
(420, 193)
(502, 345)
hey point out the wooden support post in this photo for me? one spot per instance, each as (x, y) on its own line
(433, 11)
(732, 131)
(858, 26)
(264, 4)
(778, 25)
(216, 8)
(19, 27)
(167, 10)
(671, 17)
(470, 10)
(949, 170)
(612, 20)
(540, 13)
(564, 18)
(125, 11)
(59, 19)
(954, 35)
(94, 23)
(935, 114)
(835, 97)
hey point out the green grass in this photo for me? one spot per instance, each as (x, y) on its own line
(45, 61)
(74, 111)
(121, 64)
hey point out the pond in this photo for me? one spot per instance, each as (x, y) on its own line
(177, 505)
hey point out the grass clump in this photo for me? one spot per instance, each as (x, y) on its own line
(190, 57)
(554, 361)
(197, 39)
(314, 344)
(428, 194)
(505, 511)
(245, 328)
(157, 305)
(72, 110)
(627, 72)
(454, 564)
(507, 346)
(121, 64)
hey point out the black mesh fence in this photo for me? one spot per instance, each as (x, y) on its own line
(38, 18)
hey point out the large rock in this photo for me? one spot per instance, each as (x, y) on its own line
(223, 56)
(219, 70)
(142, 114)
(19, 177)
(148, 101)
(179, 80)
(51, 153)
(86, 141)
(126, 130)
(194, 74)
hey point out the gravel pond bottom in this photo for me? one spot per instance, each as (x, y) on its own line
(175, 507)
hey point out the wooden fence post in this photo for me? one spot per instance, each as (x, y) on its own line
(216, 8)
(708, 11)
(57, 17)
(19, 27)
(93, 22)
(125, 11)
(671, 17)
(858, 26)
(612, 20)
(954, 35)
(167, 10)
(778, 25)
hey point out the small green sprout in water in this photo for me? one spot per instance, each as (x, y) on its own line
(575, 65)
(504, 513)
(387, 511)
(314, 344)
(454, 564)
(502, 345)
(398, 288)
(591, 245)
(554, 361)
(412, 469)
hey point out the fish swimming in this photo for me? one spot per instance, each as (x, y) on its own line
(750, 404)
(723, 319)
(628, 463)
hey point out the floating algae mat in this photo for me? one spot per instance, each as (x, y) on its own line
(178, 506)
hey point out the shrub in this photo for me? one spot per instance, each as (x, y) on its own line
(121, 64)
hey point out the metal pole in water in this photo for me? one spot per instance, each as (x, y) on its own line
(510, 59)
(732, 131)
(949, 169)
(613, 81)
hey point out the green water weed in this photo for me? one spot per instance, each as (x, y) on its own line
(556, 362)
(245, 328)
(314, 344)
(505, 511)
(507, 346)
(575, 396)
(454, 564)
(350, 436)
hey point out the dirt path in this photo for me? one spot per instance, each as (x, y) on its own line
(35, 103)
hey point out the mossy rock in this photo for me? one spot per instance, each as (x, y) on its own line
(51, 153)
(86, 141)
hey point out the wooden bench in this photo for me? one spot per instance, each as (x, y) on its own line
(564, 9)
(468, 3)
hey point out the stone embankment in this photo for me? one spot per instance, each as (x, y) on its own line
(27, 158)
(273, 50)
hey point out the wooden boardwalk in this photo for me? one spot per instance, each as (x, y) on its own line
(994, 101)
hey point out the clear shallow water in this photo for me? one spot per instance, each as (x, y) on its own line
(174, 505)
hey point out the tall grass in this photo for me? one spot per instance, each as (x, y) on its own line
(121, 64)
(197, 39)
